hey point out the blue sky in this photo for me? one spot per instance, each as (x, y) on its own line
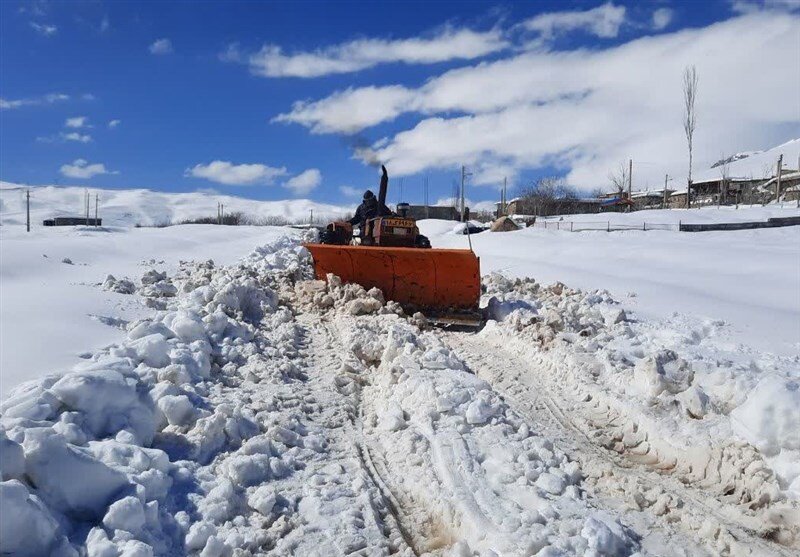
(205, 94)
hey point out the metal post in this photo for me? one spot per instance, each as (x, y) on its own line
(608, 226)
(630, 182)
(463, 177)
(28, 209)
(312, 217)
(778, 175)
(664, 202)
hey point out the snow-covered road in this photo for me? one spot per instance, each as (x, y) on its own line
(250, 410)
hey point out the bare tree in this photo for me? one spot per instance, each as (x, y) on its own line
(724, 172)
(689, 119)
(619, 178)
(549, 196)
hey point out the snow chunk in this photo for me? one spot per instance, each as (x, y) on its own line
(479, 411)
(606, 536)
(664, 371)
(120, 286)
(12, 459)
(69, 478)
(178, 410)
(126, 514)
(770, 417)
(262, 500)
(551, 483)
(26, 526)
(153, 350)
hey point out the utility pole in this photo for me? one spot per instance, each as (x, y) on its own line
(778, 175)
(28, 209)
(664, 202)
(219, 213)
(86, 203)
(505, 194)
(311, 220)
(464, 175)
(427, 205)
(96, 202)
(630, 182)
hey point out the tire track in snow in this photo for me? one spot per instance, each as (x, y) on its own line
(327, 361)
(532, 399)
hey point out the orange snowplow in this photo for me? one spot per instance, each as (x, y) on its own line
(391, 254)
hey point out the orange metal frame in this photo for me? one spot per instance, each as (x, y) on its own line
(438, 279)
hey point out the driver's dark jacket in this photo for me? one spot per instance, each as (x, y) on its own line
(369, 209)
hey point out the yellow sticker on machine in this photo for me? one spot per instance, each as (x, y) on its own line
(397, 222)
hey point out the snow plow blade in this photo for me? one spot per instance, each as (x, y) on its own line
(434, 281)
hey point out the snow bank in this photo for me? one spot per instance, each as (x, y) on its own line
(40, 294)
(670, 395)
(749, 279)
(100, 458)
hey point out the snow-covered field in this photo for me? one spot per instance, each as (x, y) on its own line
(748, 279)
(53, 311)
(238, 408)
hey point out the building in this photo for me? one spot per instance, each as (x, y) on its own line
(650, 199)
(442, 212)
(72, 221)
(549, 207)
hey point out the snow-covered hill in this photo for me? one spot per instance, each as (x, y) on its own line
(757, 164)
(147, 207)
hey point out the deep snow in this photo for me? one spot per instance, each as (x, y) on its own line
(248, 408)
(749, 279)
(52, 311)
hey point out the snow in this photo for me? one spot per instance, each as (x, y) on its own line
(759, 164)
(49, 304)
(236, 406)
(747, 279)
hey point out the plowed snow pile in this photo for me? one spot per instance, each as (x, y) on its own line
(257, 411)
(665, 394)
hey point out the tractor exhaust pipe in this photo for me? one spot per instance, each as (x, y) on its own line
(384, 186)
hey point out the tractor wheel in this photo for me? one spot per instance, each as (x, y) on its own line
(422, 242)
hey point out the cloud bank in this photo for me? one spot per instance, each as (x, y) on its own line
(584, 111)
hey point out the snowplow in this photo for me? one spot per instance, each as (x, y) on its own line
(390, 253)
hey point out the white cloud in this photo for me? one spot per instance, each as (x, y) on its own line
(114, 123)
(76, 122)
(603, 21)
(229, 174)
(80, 168)
(75, 136)
(161, 46)
(661, 18)
(6, 104)
(752, 6)
(350, 191)
(44, 29)
(350, 110)
(303, 183)
(585, 111)
(232, 53)
(447, 44)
